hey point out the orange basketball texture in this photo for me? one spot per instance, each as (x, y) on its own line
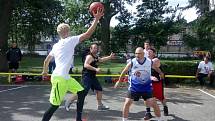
(95, 5)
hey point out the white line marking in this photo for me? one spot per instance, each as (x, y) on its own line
(13, 89)
(207, 93)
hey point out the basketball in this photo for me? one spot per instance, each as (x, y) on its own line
(94, 6)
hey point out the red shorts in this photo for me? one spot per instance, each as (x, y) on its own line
(158, 90)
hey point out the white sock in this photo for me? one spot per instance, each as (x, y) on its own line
(124, 119)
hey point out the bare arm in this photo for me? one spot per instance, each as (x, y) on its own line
(87, 65)
(107, 57)
(92, 28)
(197, 72)
(156, 66)
(125, 70)
(46, 64)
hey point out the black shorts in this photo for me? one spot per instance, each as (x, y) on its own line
(13, 65)
(136, 96)
(91, 82)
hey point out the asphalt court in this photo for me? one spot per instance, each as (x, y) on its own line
(28, 103)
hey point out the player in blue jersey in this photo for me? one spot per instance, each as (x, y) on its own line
(140, 83)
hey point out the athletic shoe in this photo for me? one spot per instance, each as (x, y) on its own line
(165, 109)
(102, 107)
(148, 116)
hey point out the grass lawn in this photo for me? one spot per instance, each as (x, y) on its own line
(34, 64)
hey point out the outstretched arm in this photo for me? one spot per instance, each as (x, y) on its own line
(107, 57)
(125, 70)
(92, 28)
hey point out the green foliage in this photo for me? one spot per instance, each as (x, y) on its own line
(202, 6)
(191, 41)
(152, 25)
(187, 68)
(32, 20)
(203, 33)
(120, 38)
(208, 22)
(78, 16)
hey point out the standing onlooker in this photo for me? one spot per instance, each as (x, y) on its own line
(14, 57)
(146, 48)
(205, 69)
(128, 58)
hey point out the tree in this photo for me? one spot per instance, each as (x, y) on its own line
(32, 20)
(204, 27)
(152, 25)
(79, 15)
(120, 38)
(6, 7)
(202, 6)
(25, 21)
(203, 30)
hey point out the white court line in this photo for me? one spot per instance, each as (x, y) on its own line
(13, 89)
(207, 93)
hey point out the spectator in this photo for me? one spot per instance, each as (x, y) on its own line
(128, 58)
(205, 69)
(14, 57)
(146, 48)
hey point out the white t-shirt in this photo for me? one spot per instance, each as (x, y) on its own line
(63, 52)
(205, 68)
(146, 53)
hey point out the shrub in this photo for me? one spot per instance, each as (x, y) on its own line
(187, 68)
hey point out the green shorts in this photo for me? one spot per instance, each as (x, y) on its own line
(60, 86)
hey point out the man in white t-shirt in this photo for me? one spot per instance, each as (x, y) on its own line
(205, 69)
(63, 52)
(146, 48)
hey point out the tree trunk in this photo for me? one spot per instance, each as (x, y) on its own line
(5, 15)
(105, 29)
(105, 35)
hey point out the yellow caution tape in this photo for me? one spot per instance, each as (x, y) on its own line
(99, 75)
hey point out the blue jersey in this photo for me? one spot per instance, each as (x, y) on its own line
(139, 76)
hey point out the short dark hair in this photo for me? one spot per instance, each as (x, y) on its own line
(147, 41)
(94, 44)
(153, 50)
(85, 53)
(207, 57)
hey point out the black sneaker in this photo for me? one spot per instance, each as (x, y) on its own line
(148, 116)
(165, 109)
